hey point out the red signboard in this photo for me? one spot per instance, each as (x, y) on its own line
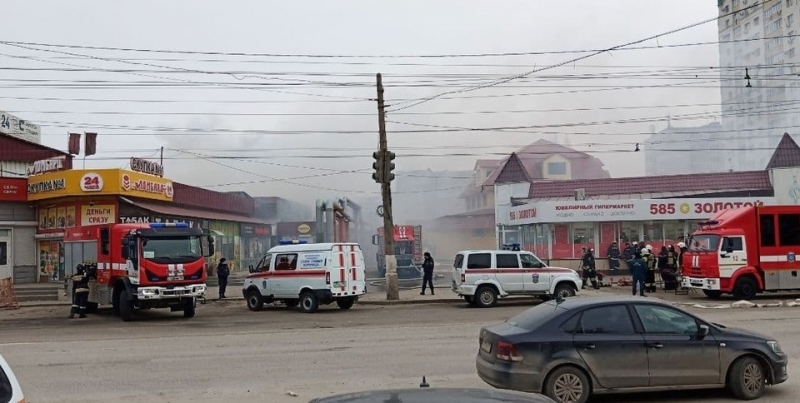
(13, 189)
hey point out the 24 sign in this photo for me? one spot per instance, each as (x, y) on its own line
(91, 182)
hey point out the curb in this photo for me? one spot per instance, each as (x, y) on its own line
(413, 302)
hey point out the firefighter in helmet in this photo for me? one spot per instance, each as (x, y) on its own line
(80, 292)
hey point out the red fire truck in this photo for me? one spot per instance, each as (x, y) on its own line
(407, 250)
(745, 251)
(143, 266)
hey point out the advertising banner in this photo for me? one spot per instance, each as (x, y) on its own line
(625, 210)
(81, 182)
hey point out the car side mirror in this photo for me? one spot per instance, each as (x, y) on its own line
(124, 248)
(703, 331)
(251, 268)
(375, 239)
(210, 246)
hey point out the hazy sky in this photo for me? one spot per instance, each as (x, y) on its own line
(242, 115)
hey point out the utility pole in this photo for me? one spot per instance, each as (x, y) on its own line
(384, 166)
(161, 160)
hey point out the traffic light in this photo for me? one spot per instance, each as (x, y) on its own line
(377, 176)
(388, 169)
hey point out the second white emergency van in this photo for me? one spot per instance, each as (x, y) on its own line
(308, 275)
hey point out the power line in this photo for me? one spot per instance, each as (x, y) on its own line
(417, 56)
(571, 61)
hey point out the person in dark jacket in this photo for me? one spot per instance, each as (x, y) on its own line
(589, 269)
(80, 292)
(638, 269)
(627, 253)
(222, 273)
(613, 256)
(427, 273)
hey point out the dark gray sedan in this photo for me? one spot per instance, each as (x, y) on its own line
(570, 349)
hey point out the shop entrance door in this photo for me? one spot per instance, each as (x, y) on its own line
(76, 253)
(6, 264)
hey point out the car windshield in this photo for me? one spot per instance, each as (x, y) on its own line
(181, 249)
(535, 317)
(704, 242)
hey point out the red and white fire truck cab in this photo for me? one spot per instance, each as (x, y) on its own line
(143, 266)
(745, 251)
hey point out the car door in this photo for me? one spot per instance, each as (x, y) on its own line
(677, 355)
(729, 262)
(537, 278)
(509, 273)
(608, 343)
(286, 283)
(264, 279)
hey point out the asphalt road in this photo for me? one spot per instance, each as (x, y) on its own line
(228, 353)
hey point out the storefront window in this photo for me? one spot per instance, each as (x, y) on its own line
(629, 232)
(51, 259)
(674, 231)
(654, 234)
(582, 237)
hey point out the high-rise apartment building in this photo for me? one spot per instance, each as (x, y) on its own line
(757, 41)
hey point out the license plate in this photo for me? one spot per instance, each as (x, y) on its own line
(486, 346)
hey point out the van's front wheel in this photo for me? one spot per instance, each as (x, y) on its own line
(308, 302)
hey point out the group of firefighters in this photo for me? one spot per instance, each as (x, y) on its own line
(667, 263)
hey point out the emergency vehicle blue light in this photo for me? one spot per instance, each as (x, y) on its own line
(291, 242)
(169, 225)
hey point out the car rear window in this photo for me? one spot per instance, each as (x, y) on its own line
(537, 316)
(459, 261)
(479, 261)
(5, 387)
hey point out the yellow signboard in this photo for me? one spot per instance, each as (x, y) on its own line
(100, 182)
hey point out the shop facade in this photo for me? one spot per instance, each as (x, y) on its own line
(71, 206)
(17, 228)
(560, 229)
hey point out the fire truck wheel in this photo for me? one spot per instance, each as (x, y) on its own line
(308, 302)
(745, 289)
(713, 294)
(125, 307)
(486, 297)
(188, 310)
(345, 303)
(254, 300)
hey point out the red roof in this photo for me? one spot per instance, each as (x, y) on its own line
(529, 164)
(172, 210)
(687, 183)
(19, 150)
(231, 202)
(787, 154)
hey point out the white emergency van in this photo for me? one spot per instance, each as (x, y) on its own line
(308, 275)
(483, 276)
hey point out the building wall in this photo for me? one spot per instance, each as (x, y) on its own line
(18, 222)
(758, 115)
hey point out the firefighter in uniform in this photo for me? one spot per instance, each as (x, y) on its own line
(80, 292)
(589, 269)
(650, 274)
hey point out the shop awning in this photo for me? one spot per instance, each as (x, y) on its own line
(191, 213)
